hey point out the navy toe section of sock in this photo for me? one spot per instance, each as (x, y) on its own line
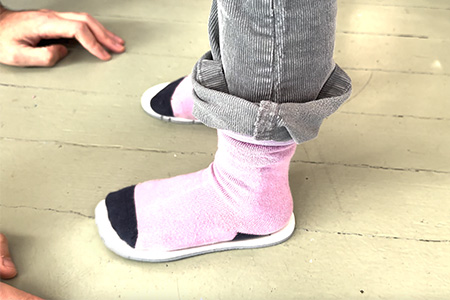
(160, 103)
(122, 214)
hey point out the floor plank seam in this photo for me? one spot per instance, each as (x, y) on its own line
(394, 5)
(114, 147)
(397, 35)
(395, 116)
(84, 92)
(151, 19)
(394, 71)
(137, 149)
(367, 166)
(376, 236)
(47, 209)
(302, 229)
(156, 55)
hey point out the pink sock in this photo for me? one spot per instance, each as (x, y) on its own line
(245, 190)
(182, 101)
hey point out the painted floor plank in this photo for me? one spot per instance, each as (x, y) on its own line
(371, 192)
(372, 18)
(357, 199)
(64, 259)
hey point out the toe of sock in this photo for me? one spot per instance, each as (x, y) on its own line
(122, 214)
(160, 103)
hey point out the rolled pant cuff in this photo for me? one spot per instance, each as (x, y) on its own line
(266, 120)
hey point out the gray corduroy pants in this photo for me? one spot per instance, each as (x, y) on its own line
(270, 73)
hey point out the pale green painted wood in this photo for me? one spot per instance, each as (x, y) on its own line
(371, 193)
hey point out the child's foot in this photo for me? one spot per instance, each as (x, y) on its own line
(242, 200)
(172, 102)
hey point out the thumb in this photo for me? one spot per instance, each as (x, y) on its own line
(7, 267)
(41, 56)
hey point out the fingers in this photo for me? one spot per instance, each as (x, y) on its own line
(8, 270)
(25, 30)
(39, 56)
(84, 35)
(7, 267)
(93, 35)
(45, 56)
(104, 36)
(88, 31)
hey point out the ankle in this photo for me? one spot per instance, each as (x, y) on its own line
(251, 140)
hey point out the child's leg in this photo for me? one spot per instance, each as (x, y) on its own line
(270, 73)
(268, 83)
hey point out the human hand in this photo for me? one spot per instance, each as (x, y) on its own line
(7, 267)
(21, 31)
(7, 271)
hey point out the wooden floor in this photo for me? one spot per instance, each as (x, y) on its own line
(372, 192)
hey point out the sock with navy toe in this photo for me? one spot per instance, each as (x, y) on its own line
(175, 100)
(244, 191)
